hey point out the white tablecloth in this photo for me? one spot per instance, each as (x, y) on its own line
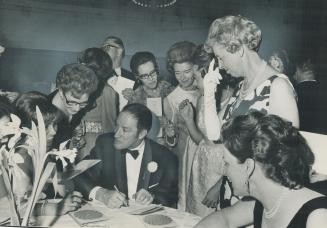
(118, 218)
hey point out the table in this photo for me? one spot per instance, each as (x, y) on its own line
(118, 218)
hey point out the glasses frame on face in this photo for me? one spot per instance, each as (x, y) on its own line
(74, 103)
(152, 74)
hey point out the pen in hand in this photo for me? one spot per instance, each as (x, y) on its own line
(153, 186)
(125, 201)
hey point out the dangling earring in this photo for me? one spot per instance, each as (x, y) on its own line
(242, 51)
(247, 186)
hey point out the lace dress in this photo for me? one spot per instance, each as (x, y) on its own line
(206, 170)
(185, 148)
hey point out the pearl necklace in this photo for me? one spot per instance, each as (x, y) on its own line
(244, 91)
(273, 211)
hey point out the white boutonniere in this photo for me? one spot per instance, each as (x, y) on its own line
(152, 166)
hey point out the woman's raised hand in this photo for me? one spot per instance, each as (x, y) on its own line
(186, 111)
(213, 77)
(128, 93)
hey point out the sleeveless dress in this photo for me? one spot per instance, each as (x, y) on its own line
(206, 170)
(300, 218)
(257, 100)
(185, 147)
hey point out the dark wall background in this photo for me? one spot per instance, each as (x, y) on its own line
(43, 35)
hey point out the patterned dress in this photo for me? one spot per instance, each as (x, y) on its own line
(257, 100)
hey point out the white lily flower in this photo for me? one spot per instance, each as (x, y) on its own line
(70, 154)
(13, 127)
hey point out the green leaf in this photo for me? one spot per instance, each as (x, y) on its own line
(41, 133)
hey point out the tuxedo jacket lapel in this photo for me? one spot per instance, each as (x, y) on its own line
(144, 177)
(121, 174)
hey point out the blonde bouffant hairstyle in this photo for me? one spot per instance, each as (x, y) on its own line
(233, 32)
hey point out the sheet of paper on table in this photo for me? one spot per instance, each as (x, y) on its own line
(88, 215)
(79, 168)
(138, 209)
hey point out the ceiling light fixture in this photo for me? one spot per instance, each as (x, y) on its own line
(154, 3)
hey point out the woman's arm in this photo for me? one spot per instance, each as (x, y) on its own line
(168, 124)
(282, 101)
(187, 114)
(71, 202)
(239, 214)
(168, 112)
(317, 218)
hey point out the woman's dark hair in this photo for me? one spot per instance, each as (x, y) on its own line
(202, 58)
(141, 113)
(140, 58)
(6, 107)
(284, 154)
(100, 62)
(26, 109)
(289, 68)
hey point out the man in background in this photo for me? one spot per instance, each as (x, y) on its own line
(123, 78)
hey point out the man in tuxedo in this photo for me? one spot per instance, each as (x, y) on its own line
(138, 167)
(123, 78)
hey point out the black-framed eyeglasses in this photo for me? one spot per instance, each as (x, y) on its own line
(152, 74)
(74, 103)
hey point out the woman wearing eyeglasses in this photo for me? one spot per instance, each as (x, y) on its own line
(148, 85)
(75, 82)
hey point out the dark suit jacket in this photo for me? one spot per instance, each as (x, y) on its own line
(127, 74)
(112, 171)
(308, 105)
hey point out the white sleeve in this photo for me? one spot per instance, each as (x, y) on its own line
(93, 192)
(211, 119)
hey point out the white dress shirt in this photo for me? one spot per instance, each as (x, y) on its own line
(133, 167)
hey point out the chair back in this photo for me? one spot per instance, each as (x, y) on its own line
(318, 145)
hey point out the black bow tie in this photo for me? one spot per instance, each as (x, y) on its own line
(134, 153)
